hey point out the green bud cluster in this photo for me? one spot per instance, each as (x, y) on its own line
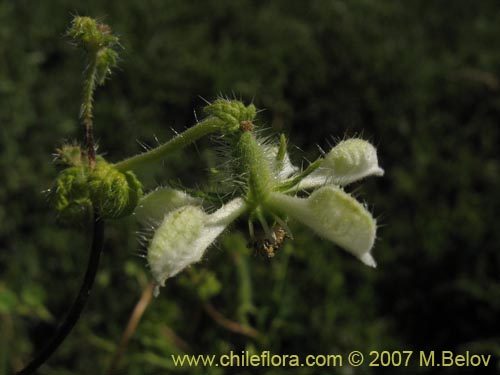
(114, 194)
(69, 195)
(111, 193)
(91, 34)
(231, 112)
(96, 38)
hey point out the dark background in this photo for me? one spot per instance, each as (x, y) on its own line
(420, 79)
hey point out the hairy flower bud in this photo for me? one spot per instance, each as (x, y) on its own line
(231, 112)
(69, 195)
(114, 194)
(90, 33)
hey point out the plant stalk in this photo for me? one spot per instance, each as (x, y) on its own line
(192, 134)
(78, 305)
(87, 104)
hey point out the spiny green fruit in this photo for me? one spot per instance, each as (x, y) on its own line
(113, 194)
(69, 195)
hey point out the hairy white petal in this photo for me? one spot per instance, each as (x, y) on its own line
(349, 161)
(334, 215)
(287, 168)
(185, 234)
(283, 169)
(153, 207)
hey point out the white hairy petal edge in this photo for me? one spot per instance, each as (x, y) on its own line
(287, 168)
(334, 215)
(184, 235)
(282, 169)
(349, 161)
(153, 206)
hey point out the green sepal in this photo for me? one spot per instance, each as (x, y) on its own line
(254, 168)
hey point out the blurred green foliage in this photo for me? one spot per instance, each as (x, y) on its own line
(418, 78)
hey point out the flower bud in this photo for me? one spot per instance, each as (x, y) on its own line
(231, 112)
(69, 195)
(90, 33)
(114, 194)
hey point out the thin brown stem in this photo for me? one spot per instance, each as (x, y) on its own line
(131, 327)
(229, 324)
(170, 334)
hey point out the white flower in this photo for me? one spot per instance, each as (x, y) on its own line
(349, 161)
(153, 206)
(185, 234)
(334, 215)
(186, 231)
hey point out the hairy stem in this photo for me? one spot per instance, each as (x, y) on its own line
(78, 305)
(192, 134)
(86, 111)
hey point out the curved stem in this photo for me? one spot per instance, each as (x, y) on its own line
(201, 129)
(78, 305)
